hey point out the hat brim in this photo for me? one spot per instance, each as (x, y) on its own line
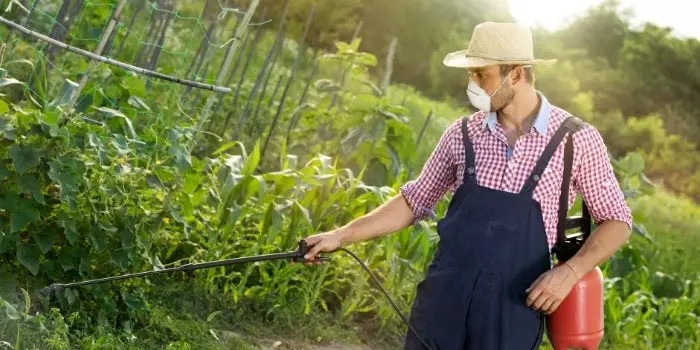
(460, 59)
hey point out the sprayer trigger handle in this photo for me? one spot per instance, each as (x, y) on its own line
(303, 249)
(318, 258)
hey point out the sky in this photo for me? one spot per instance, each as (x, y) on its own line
(680, 15)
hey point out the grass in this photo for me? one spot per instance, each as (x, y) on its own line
(674, 224)
(259, 305)
(182, 316)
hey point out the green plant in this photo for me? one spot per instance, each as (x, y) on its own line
(110, 187)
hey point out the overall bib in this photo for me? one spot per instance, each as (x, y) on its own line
(492, 246)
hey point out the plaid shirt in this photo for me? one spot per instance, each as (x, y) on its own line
(502, 168)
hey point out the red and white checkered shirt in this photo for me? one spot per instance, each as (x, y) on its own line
(498, 167)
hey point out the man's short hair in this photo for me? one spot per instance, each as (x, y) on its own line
(529, 72)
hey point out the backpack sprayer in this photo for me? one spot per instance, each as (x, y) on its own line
(297, 256)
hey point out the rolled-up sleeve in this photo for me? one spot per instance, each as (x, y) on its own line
(436, 177)
(596, 180)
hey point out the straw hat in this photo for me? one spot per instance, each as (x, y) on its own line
(497, 44)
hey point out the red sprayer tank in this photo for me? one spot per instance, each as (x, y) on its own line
(578, 321)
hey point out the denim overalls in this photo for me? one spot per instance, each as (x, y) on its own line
(492, 246)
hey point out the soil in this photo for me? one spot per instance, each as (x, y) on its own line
(288, 344)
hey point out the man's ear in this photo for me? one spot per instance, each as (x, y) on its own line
(518, 75)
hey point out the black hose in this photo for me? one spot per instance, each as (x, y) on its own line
(386, 294)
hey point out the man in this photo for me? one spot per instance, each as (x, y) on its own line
(491, 278)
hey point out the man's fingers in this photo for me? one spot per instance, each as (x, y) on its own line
(540, 301)
(534, 294)
(311, 254)
(312, 240)
(547, 305)
(554, 306)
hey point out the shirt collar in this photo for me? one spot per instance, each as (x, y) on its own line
(541, 120)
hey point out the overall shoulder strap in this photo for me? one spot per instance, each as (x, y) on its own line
(545, 157)
(470, 162)
(573, 125)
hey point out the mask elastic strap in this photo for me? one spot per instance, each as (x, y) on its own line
(499, 86)
(504, 80)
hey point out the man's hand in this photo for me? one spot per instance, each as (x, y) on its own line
(322, 242)
(550, 289)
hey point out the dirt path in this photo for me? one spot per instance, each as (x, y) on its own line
(287, 344)
(293, 346)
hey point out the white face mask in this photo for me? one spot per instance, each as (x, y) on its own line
(479, 98)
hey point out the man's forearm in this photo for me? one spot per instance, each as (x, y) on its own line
(600, 246)
(390, 217)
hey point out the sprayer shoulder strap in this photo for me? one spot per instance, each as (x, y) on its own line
(573, 124)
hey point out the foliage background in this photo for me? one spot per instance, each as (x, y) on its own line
(317, 130)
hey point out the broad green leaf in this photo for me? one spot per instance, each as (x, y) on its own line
(6, 130)
(199, 196)
(153, 181)
(326, 85)
(138, 103)
(65, 94)
(304, 211)
(72, 295)
(135, 85)
(109, 306)
(641, 230)
(51, 268)
(165, 174)
(24, 61)
(10, 311)
(28, 256)
(120, 257)
(343, 47)
(70, 230)
(228, 145)
(112, 113)
(635, 163)
(366, 59)
(9, 81)
(252, 161)
(192, 181)
(132, 301)
(187, 208)
(97, 238)
(29, 184)
(182, 156)
(50, 117)
(67, 173)
(127, 237)
(4, 108)
(44, 239)
(66, 258)
(24, 158)
(23, 214)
